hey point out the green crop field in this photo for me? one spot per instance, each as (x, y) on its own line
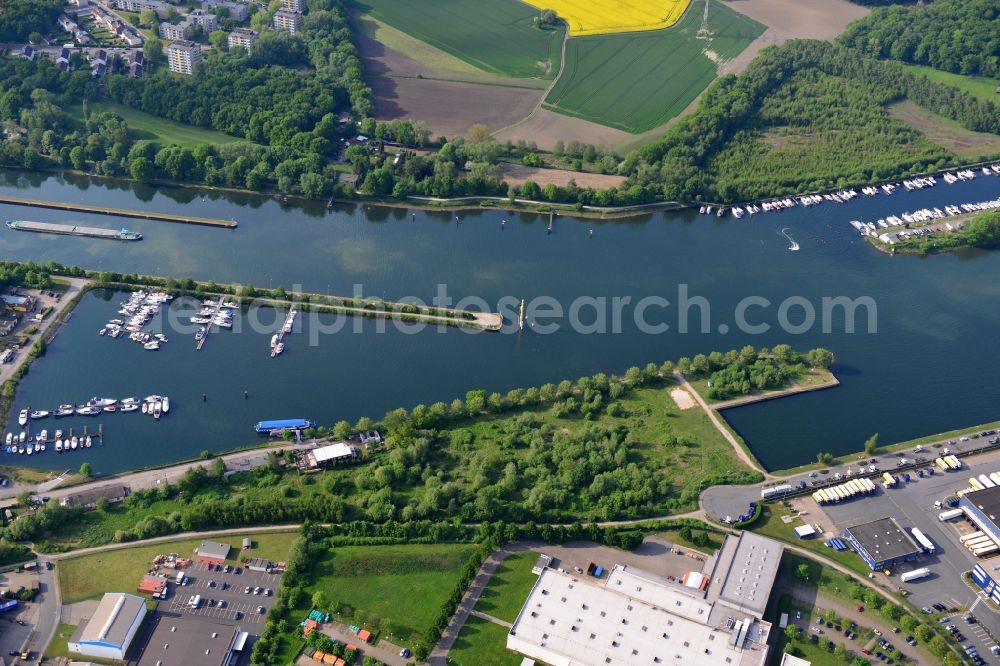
(509, 587)
(638, 81)
(497, 36)
(977, 86)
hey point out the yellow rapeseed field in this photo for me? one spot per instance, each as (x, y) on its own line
(597, 17)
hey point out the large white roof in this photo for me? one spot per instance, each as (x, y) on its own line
(332, 452)
(635, 618)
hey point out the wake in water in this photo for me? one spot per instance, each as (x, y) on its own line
(794, 247)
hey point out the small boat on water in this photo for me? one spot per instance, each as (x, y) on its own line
(129, 401)
(101, 402)
(87, 441)
(200, 334)
(89, 410)
(22, 417)
(39, 414)
(30, 448)
(111, 408)
(65, 411)
(131, 407)
(74, 442)
(278, 348)
(157, 409)
(43, 435)
(20, 449)
(166, 404)
(9, 439)
(22, 437)
(151, 346)
(145, 408)
(59, 445)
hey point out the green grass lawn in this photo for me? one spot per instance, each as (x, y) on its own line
(482, 642)
(400, 588)
(638, 81)
(509, 587)
(147, 126)
(498, 36)
(802, 647)
(119, 570)
(977, 86)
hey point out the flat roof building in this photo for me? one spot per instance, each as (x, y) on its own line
(287, 20)
(88, 498)
(792, 660)
(184, 640)
(183, 56)
(110, 631)
(331, 454)
(213, 552)
(242, 38)
(882, 543)
(982, 507)
(709, 617)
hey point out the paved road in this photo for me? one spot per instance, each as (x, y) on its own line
(439, 655)
(49, 602)
(235, 462)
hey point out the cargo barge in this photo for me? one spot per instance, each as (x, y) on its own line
(74, 230)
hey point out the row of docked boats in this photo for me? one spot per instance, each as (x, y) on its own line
(154, 405)
(277, 345)
(215, 312)
(137, 310)
(23, 444)
(924, 216)
(843, 196)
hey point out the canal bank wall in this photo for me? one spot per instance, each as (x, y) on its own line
(116, 212)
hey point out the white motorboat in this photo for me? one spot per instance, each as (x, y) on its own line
(65, 411)
(58, 434)
(9, 439)
(153, 398)
(157, 409)
(101, 402)
(89, 410)
(278, 348)
(43, 435)
(131, 407)
(129, 401)
(201, 320)
(22, 437)
(74, 442)
(22, 417)
(151, 346)
(111, 408)
(59, 445)
(40, 446)
(145, 408)
(39, 414)
(166, 404)
(20, 449)
(30, 448)
(87, 441)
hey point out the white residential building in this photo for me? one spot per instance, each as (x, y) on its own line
(287, 20)
(294, 5)
(242, 38)
(183, 56)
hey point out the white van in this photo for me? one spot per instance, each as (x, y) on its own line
(195, 601)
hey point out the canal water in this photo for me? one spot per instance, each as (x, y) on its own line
(928, 368)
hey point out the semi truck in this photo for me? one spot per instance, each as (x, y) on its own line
(921, 539)
(916, 574)
(950, 514)
(953, 462)
(985, 480)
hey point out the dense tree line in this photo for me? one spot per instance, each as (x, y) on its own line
(24, 274)
(961, 36)
(748, 370)
(20, 18)
(683, 165)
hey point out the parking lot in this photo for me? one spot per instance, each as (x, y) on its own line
(223, 595)
(911, 504)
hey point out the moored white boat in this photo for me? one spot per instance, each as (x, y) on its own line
(39, 414)
(166, 404)
(74, 442)
(59, 445)
(22, 417)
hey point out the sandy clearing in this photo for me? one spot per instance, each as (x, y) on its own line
(682, 398)
(450, 108)
(944, 132)
(798, 19)
(516, 174)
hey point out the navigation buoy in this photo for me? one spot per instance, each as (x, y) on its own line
(246, 395)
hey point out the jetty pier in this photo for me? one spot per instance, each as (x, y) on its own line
(118, 212)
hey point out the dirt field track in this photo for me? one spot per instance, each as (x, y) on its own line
(449, 108)
(515, 174)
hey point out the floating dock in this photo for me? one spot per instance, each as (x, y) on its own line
(118, 212)
(74, 230)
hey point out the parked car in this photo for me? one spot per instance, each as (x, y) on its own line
(260, 610)
(246, 590)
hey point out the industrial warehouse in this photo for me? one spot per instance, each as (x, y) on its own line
(109, 632)
(712, 616)
(882, 544)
